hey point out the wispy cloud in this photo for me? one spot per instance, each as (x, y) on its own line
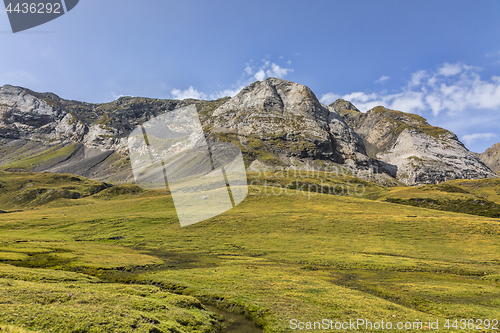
(20, 76)
(115, 96)
(452, 88)
(260, 71)
(188, 93)
(382, 79)
(193, 93)
(329, 98)
(469, 139)
(226, 92)
(269, 69)
(493, 54)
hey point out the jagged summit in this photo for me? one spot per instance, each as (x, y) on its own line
(287, 121)
(276, 123)
(342, 106)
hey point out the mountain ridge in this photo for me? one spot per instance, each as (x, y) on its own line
(276, 123)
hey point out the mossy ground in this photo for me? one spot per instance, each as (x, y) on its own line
(273, 257)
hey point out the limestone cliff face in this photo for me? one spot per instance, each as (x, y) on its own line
(423, 154)
(22, 115)
(286, 120)
(491, 157)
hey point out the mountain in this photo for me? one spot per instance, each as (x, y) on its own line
(423, 154)
(491, 157)
(282, 124)
(43, 132)
(276, 123)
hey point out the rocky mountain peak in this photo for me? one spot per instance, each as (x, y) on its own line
(286, 121)
(273, 96)
(342, 107)
(491, 157)
(16, 98)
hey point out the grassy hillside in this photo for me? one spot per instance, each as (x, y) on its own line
(26, 190)
(26, 159)
(121, 259)
(477, 197)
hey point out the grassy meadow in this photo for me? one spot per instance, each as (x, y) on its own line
(80, 256)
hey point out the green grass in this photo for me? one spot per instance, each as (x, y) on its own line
(23, 190)
(13, 329)
(477, 197)
(24, 163)
(58, 301)
(468, 206)
(272, 258)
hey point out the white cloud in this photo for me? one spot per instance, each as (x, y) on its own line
(493, 54)
(382, 79)
(270, 69)
(329, 98)
(409, 101)
(226, 92)
(116, 96)
(443, 90)
(450, 69)
(277, 71)
(260, 75)
(193, 93)
(417, 77)
(251, 73)
(471, 138)
(360, 97)
(188, 93)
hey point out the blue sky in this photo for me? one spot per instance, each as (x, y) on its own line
(440, 59)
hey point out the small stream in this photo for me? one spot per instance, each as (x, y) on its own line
(239, 323)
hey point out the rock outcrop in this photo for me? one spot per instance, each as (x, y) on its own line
(289, 120)
(423, 154)
(23, 115)
(491, 157)
(282, 124)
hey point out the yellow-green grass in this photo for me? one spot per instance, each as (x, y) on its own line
(19, 190)
(57, 301)
(477, 197)
(13, 329)
(273, 257)
(25, 162)
(488, 188)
